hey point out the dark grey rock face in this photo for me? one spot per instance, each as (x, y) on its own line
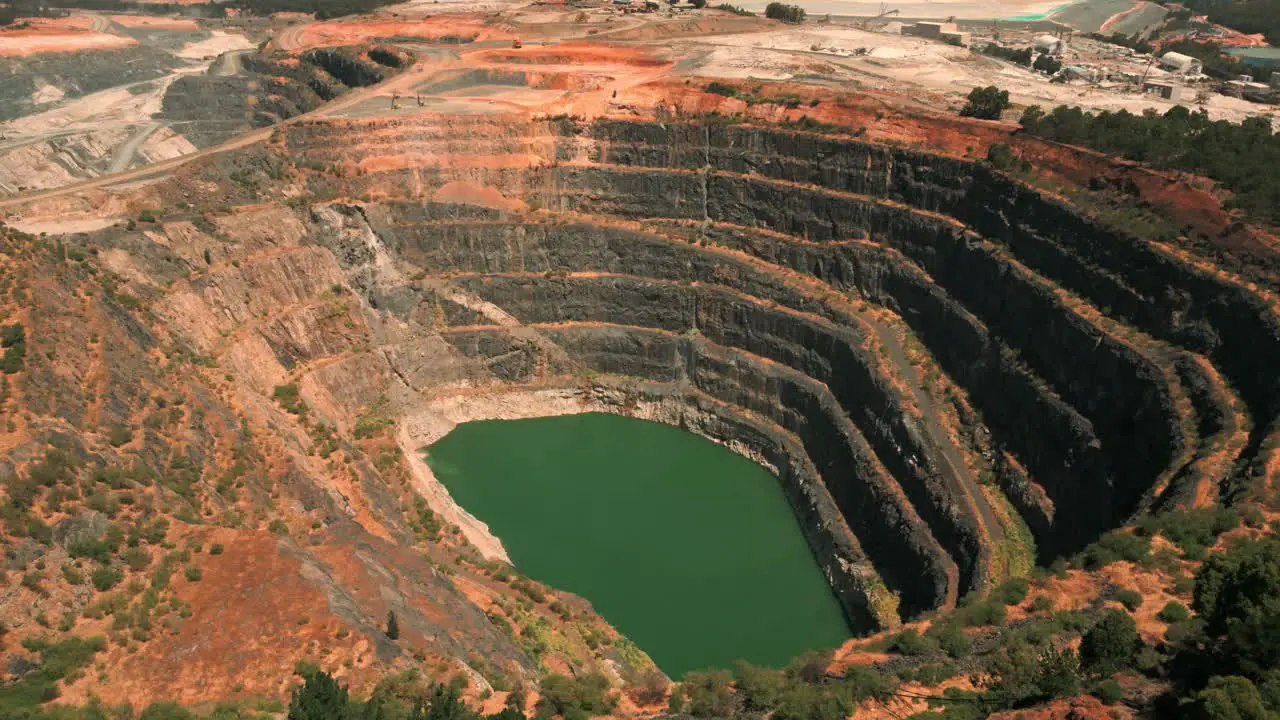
(743, 270)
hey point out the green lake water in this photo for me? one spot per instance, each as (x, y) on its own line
(688, 549)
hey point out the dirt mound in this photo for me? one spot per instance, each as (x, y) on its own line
(472, 194)
(584, 54)
(700, 25)
(151, 22)
(32, 41)
(449, 30)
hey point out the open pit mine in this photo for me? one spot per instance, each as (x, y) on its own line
(954, 373)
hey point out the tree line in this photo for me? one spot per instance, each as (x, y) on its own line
(1216, 63)
(1248, 16)
(1243, 157)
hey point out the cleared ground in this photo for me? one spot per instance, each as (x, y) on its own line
(585, 61)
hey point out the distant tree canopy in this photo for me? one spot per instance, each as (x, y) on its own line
(1215, 62)
(1047, 64)
(1133, 41)
(1249, 16)
(986, 102)
(1014, 55)
(7, 15)
(39, 8)
(323, 9)
(1242, 157)
(793, 14)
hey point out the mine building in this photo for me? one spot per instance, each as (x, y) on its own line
(1048, 45)
(930, 29)
(1166, 90)
(1177, 62)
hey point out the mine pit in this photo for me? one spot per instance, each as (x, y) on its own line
(763, 286)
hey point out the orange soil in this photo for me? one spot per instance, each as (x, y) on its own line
(460, 191)
(573, 54)
(352, 32)
(258, 608)
(31, 41)
(159, 23)
(70, 22)
(1081, 707)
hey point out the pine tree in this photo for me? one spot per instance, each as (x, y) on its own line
(319, 698)
(393, 627)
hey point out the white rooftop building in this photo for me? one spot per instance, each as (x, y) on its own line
(1177, 62)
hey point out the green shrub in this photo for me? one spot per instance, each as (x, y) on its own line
(1013, 591)
(910, 642)
(809, 702)
(1227, 698)
(575, 698)
(719, 88)
(988, 103)
(980, 613)
(1040, 604)
(136, 558)
(1115, 546)
(287, 396)
(13, 338)
(1238, 596)
(57, 661)
(105, 578)
(1130, 599)
(1111, 644)
(1192, 530)
(1001, 156)
(119, 435)
(215, 549)
(1109, 692)
(72, 575)
(759, 688)
(1173, 612)
(792, 14)
(192, 573)
(951, 638)
(320, 697)
(165, 711)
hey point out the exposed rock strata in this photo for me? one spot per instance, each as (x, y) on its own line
(752, 284)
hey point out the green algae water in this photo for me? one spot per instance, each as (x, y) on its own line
(690, 550)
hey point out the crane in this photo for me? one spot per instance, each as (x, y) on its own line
(883, 13)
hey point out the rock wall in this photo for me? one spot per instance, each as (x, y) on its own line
(781, 273)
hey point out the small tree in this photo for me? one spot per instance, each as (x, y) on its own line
(710, 694)
(793, 14)
(446, 704)
(319, 698)
(393, 627)
(987, 103)
(1238, 595)
(1110, 644)
(1226, 697)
